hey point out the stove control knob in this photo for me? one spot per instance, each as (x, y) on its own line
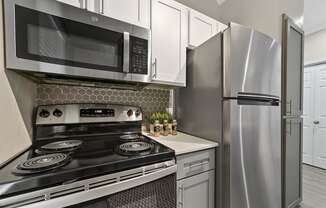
(130, 112)
(44, 113)
(137, 113)
(57, 113)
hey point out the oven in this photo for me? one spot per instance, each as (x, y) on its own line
(49, 38)
(152, 186)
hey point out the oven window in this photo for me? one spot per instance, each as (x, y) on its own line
(156, 194)
(46, 38)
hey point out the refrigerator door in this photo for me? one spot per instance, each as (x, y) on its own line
(252, 142)
(252, 62)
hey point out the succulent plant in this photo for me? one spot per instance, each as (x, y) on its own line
(160, 116)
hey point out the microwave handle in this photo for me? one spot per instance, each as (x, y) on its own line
(126, 52)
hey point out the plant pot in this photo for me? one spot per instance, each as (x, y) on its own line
(170, 128)
(151, 129)
(162, 130)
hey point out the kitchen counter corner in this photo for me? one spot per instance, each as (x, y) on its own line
(184, 143)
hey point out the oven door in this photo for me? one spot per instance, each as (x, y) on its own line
(46, 36)
(156, 194)
(152, 186)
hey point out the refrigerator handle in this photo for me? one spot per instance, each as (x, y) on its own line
(257, 96)
(257, 99)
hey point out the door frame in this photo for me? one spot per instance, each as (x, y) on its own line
(287, 25)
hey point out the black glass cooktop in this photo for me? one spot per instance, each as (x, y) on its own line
(96, 155)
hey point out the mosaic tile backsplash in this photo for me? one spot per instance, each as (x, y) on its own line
(149, 99)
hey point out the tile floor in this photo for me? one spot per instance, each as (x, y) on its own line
(314, 187)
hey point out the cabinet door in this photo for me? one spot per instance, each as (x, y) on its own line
(196, 191)
(201, 28)
(292, 99)
(76, 3)
(132, 11)
(320, 117)
(293, 164)
(90, 5)
(169, 42)
(308, 116)
(220, 27)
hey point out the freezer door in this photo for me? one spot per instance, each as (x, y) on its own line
(252, 139)
(252, 62)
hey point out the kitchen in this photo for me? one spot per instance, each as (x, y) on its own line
(59, 58)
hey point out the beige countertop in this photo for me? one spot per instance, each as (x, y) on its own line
(184, 143)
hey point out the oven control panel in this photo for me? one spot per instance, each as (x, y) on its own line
(138, 55)
(86, 113)
(97, 112)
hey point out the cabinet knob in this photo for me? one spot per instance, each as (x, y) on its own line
(316, 122)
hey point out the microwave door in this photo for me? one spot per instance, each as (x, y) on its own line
(69, 41)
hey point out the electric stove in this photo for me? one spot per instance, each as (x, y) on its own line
(77, 142)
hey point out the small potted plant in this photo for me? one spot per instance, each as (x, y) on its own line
(154, 117)
(170, 120)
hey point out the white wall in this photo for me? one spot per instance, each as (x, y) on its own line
(14, 136)
(263, 15)
(315, 47)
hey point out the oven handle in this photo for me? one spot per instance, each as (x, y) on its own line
(91, 194)
(126, 52)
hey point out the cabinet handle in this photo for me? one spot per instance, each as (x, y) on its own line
(155, 68)
(126, 52)
(290, 107)
(102, 9)
(290, 117)
(85, 4)
(198, 164)
(316, 122)
(181, 189)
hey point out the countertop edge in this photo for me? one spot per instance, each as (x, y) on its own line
(169, 140)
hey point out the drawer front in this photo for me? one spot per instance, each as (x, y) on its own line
(195, 163)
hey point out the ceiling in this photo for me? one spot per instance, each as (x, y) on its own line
(314, 15)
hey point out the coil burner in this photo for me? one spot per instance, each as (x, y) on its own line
(66, 145)
(135, 148)
(42, 163)
(130, 137)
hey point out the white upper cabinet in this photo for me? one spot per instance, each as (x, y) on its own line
(76, 3)
(136, 12)
(201, 28)
(221, 27)
(169, 42)
(132, 11)
(89, 5)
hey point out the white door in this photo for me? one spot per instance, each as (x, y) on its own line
(308, 116)
(132, 11)
(320, 116)
(169, 42)
(201, 28)
(196, 191)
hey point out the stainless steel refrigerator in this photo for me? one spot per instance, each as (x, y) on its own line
(233, 97)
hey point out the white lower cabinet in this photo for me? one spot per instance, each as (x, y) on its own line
(196, 180)
(196, 191)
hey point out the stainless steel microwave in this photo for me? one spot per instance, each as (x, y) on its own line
(46, 37)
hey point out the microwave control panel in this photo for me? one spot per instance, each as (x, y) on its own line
(138, 55)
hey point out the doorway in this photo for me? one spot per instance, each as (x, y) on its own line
(314, 136)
